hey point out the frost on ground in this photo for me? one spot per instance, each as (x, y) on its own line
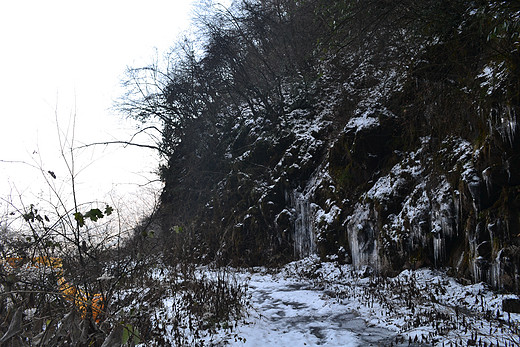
(309, 303)
(292, 312)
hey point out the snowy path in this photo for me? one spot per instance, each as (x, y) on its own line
(308, 303)
(287, 313)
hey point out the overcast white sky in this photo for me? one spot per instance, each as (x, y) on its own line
(69, 56)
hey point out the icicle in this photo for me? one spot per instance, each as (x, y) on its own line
(486, 175)
(507, 167)
(304, 214)
(457, 205)
(510, 126)
(304, 237)
(438, 249)
(364, 246)
(506, 126)
(477, 271)
(496, 271)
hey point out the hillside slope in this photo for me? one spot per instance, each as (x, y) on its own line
(382, 134)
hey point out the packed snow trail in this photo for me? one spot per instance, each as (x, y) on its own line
(309, 303)
(288, 313)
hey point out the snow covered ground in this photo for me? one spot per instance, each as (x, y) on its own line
(309, 303)
(289, 312)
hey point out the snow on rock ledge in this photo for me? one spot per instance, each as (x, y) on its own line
(407, 218)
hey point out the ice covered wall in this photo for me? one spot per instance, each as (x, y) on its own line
(434, 207)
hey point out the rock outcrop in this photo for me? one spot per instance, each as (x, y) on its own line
(376, 138)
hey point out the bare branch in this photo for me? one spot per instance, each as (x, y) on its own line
(19, 162)
(125, 143)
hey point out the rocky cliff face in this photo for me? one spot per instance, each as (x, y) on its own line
(438, 206)
(391, 146)
(358, 195)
